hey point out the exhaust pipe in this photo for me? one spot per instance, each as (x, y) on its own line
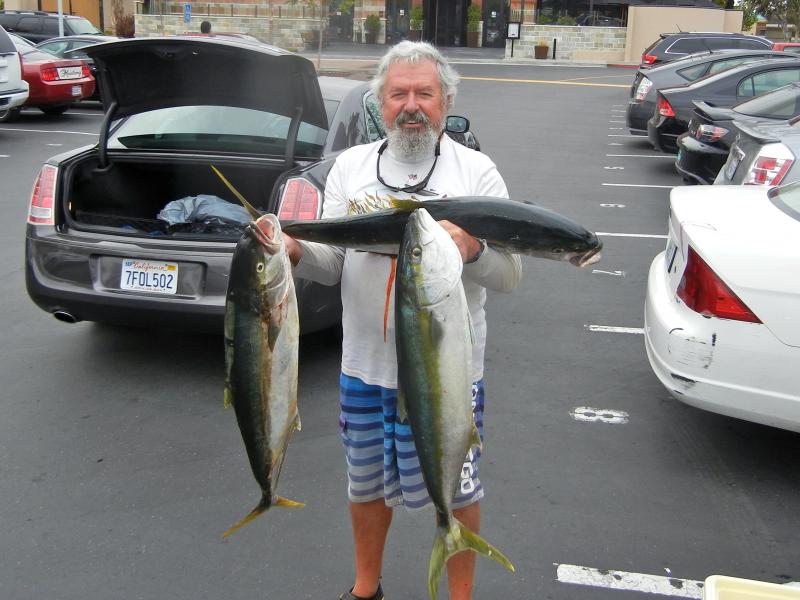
(65, 316)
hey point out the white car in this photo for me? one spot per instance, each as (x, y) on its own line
(722, 330)
(13, 89)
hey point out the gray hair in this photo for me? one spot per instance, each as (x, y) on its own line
(414, 53)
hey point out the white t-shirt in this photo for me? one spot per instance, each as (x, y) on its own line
(353, 188)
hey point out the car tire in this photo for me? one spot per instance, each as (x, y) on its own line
(9, 114)
(54, 109)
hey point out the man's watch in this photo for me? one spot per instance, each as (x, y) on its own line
(480, 251)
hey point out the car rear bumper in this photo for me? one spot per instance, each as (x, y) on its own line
(699, 161)
(61, 92)
(661, 137)
(81, 282)
(727, 367)
(637, 115)
(13, 99)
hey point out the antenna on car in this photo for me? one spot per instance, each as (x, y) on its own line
(678, 27)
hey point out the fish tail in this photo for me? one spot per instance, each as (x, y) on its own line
(261, 508)
(451, 541)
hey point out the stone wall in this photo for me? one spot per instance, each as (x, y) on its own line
(285, 32)
(573, 42)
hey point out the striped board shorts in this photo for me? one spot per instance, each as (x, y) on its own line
(381, 458)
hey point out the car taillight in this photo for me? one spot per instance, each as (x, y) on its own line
(770, 166)
(648, 59)
(43, 195)
(49, 74)
(705, 293)
(300, 200)
(641, 91)
(85, 70)
(664, 107)
(709, 133)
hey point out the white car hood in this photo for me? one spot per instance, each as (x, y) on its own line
(751, 244)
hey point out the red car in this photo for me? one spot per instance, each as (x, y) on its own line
(54, 82)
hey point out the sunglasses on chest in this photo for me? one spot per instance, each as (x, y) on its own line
(409, 189)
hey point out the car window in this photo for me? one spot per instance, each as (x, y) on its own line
(6, 45)
(720, 43)
(218, 129)
(792, 49)
(50, 26)
(693, 73)
(82, 26)
(746, 44)
(787, 199)
(764, 82)
(376, 129)
(29, 25)
(56, 48)
(783, 103)
(722, 65)
(686, 46)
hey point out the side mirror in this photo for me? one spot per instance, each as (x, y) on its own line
(456, 124)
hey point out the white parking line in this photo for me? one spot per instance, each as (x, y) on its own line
(633, 235)
(612, 329)
(642, 155)
(588, 414)
(637, 582)
(46, 131)
(639, 185)
(616, 121)
(80, 114)
(5, 156)
(628, 135)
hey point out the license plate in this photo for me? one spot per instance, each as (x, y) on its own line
(149, 276)
(733, 162)
(70, 72)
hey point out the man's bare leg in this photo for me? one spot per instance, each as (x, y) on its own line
(370, 522)
(461, 567)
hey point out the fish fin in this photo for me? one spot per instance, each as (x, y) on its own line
(404, 203)
(389, 284)
(262, 507)
(476, 442)
(227, 397)
(250, 208)
(286, 503)
(451, 541)
(297, 425)
(402, 407)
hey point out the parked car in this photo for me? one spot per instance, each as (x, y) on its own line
(13, 88)
(674, 106)
(682, 71)
(267, 123)
(720, 323)
(54, 83)
(670, 46)
(704, 148)
(72, 47)
(762, 154)
(38, 26)
(792, 47)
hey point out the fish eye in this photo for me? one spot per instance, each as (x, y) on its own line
(558, 250)
(260, 268)
(416, 252)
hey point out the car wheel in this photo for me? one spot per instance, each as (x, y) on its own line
(54, 109)
(9, 114)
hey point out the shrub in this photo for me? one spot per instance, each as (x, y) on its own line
(372, 24)
(415, 18)
(473, 17)
(124, 24)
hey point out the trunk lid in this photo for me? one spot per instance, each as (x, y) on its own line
(144, 74)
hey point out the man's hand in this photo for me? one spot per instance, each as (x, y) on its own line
(468, 246)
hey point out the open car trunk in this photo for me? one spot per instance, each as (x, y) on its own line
(127, 197)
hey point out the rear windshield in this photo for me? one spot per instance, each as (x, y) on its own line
(215, 129)
(783, 103)
(787, 199)
(6, 45)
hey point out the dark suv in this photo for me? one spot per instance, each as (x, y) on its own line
(676, 45)
(38, 26)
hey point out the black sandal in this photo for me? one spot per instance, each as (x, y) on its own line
(378, 595)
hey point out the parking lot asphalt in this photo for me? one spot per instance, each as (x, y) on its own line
(121, 469)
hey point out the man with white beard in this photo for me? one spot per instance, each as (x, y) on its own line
(415, 87)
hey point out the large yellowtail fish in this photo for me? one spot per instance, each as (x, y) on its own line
(262, 335)
(434, 350)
